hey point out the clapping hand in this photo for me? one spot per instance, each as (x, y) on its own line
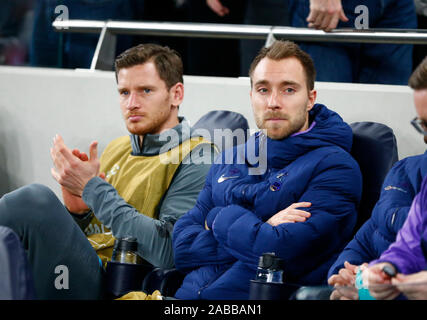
(73, 169)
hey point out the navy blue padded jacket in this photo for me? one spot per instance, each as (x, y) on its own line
(313, 166)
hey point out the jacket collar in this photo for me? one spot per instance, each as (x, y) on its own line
(326, 129)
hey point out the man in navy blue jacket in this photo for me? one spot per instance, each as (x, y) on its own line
(400, 187)
(300, 203)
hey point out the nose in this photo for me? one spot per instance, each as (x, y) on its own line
(273, 100)
(132, 102)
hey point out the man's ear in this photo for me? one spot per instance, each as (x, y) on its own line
(177, 93)
(312, 95)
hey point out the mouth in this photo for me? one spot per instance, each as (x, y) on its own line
(134, 118)
(275, 119)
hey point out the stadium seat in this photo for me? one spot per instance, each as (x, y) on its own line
(16, 281)
(222, 119)
(375, 150)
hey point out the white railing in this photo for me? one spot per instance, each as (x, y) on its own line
(105, 52)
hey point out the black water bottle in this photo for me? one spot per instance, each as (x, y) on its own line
(125, 251)
(126, 270)
(268, 283)
(270, 269)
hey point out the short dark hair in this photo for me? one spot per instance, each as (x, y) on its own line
(287, 49)
(418, 79)
(167, 61)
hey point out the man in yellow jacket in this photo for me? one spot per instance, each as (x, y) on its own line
(139, 187)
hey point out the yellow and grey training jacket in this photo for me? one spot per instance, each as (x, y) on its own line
(147, 189)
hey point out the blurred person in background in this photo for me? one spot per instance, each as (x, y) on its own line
(15, 31)
(256, 12)
(210, 56)
(164, 11)
(75, 50)
(420, 50)
(357, 62)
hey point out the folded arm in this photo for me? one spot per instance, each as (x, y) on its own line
(333, 193)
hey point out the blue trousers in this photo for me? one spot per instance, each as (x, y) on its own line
(75, 50)
(261, 12)
(362, 63)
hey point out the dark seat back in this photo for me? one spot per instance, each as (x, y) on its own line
(222, 119)
(16, 281)
(375, 150)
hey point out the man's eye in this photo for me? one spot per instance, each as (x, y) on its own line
(262, 90)
(289, 90)
(124, 93)
(147, 90)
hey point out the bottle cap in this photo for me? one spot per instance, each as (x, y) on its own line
(126, 244)
(270, 261)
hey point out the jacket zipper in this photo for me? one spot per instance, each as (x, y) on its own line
(392, 217)
(199, 293)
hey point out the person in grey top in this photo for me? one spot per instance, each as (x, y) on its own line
(150, 85)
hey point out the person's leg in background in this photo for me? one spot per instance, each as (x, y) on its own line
(51, 238)
(79, 48)
(261, 12)
(214, 57)
(334, 62)
(370, 63)
(164, 11)
(45, 50)
(389, 63)
(420, 50)
(74, 50)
